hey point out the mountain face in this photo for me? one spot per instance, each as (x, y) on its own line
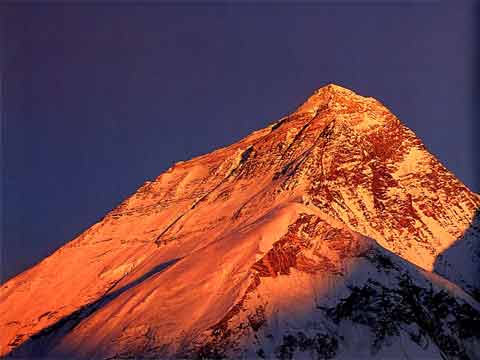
(331, 234)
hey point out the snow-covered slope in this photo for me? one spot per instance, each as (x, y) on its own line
(332, 233)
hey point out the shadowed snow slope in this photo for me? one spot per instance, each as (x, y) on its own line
(332, 233)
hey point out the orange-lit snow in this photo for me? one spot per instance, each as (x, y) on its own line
(265, 229)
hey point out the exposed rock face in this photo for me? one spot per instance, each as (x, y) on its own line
(332, 233)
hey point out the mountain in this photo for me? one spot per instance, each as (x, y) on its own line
(331, 233)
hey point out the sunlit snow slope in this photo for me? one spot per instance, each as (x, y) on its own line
(332, 233)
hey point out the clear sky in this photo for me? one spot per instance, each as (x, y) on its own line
(98, 99)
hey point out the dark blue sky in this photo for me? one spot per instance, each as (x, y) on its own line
(98, 99)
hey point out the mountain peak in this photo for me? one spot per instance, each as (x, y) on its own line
(327, 95)
(334, 88)
(281, 245)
